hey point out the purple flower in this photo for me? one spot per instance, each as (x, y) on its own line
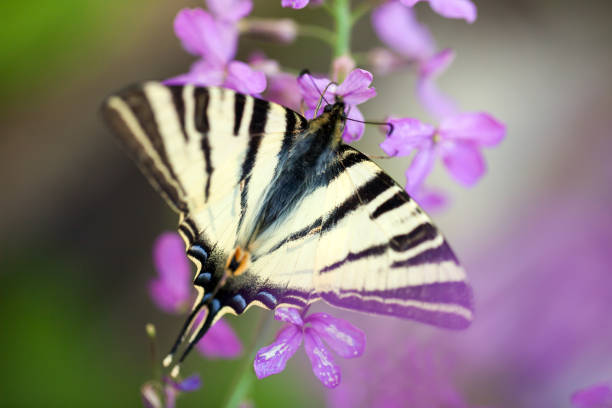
(464, 9)
(434, 101)
(595, 396)
(215, 39)
(398, 28)
(341, 336)
(456, 141)
(354, 90)
(282, 87)
(412, 43)
(299, 4)
(173, 292)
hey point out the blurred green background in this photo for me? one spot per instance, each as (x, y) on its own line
(77, 220)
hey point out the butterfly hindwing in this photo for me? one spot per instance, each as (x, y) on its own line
(380, 253)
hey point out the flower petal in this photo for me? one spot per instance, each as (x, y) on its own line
(480, 128)
(355, 88)
(408, 134)
(290, 315)
(398, 28)
(463, 161)
(283, 89)
(296, 4)
(437, 64)
(430, 199)
(242, 78)
(344, 338)
(323, 365)
(353, 129)
(220, 341)
(311, 88)
(272, 359)
(464, 9)
(437, 103)
(595, 396)
(420, 167)
(189, 384)
(172, 290)
(385, 61)
(230, 10)
(200, 73)
(202, 35)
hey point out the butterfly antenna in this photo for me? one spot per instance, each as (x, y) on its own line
(314, 84)
(368, 122)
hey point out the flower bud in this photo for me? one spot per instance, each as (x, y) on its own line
(283, 30)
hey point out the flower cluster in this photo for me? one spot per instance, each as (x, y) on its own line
(341, 336)
(212, 36)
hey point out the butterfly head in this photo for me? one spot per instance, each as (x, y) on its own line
(332, 120)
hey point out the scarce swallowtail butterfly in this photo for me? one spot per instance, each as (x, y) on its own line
(275, 210)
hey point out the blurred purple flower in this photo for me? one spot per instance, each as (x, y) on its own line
(221, 342)
(215, 39)
(464, 9)
(341, 336)
(595, 396)
(412, 44)
(398, 28)
(283, 30)
(299, 4)
(434, 101)
(456, 141)
(296, 4)
(282, 87)
(354, 90)
(173, 292)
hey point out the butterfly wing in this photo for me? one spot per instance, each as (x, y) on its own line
(211, 153)
(380, 253)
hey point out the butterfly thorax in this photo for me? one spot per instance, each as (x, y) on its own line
(309, 164)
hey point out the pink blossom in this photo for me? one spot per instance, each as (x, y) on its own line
(342, 337)
(173, 292)
(354, 90)
(464, 9)
(215, 40)
(456, 141)
(411, 43)
(282, 87)
(398, 28)
(299, 4)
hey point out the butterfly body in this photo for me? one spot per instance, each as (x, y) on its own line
(276, 210)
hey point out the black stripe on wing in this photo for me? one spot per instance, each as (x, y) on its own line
(201, 100)
(138, 106)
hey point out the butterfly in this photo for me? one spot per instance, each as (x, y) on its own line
(275, 210)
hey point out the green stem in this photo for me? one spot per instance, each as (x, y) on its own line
(341, 10)
(243, 383)
(361, 10)
(317, 32)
